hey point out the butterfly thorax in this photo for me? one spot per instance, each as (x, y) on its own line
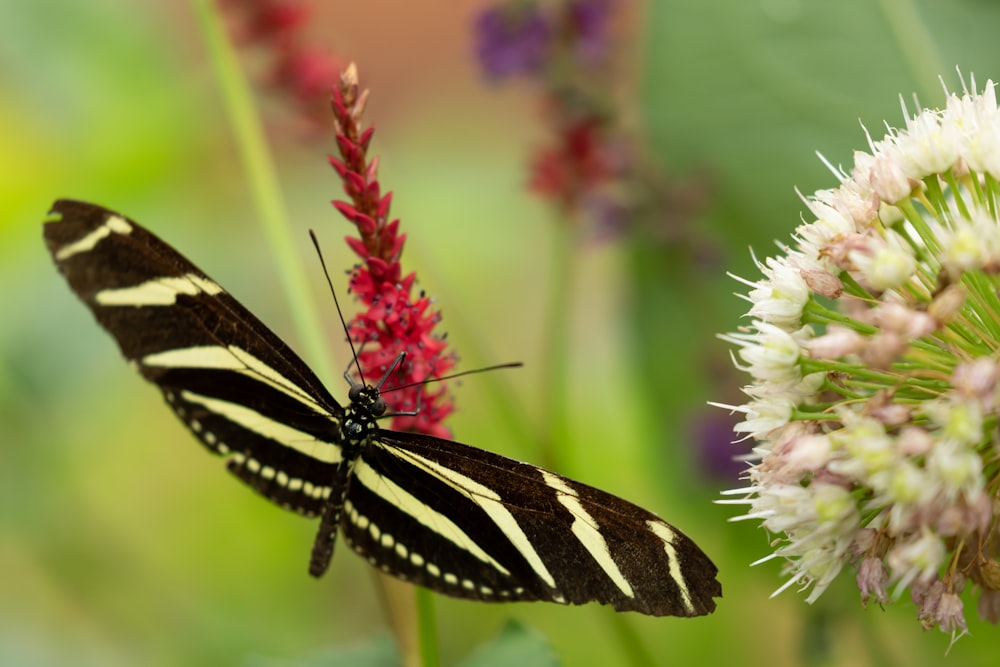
(359, 424)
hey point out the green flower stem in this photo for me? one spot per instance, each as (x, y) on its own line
(810, 366)
(908, 28)
(966, 337)
(934, 194)
(264, 186)
(427, 628)
(913, 216)
(852, 287)
(554, 443)
(634, 649)
(987, 304)
(990, 199)
(979, 194)
(937, 355)
(861, 376)
(556, 436)
(816, 313)
(956, 190)
(807, 415)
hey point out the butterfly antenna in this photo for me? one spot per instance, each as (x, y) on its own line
(389, 371)
(513, 364)
(340, 313)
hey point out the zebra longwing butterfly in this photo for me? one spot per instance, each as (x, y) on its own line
(459, 520)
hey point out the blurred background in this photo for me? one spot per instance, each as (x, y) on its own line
(122, 542)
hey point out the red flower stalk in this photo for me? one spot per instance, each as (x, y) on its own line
(301, 73)
(393, 322)
(565, 48)
(577, 165)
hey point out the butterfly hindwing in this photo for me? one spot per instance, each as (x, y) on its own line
(505, 530)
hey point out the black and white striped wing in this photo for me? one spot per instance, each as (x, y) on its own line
(235, 384)
(470, 523)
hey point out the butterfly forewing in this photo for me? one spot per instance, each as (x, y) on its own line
(459, 520)
(236, 385)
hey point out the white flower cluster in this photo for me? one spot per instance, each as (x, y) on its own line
(874, 352)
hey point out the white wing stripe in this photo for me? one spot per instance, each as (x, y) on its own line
(114, 224)
(252, 420)
(157, 292)
(662, 531)
(585, 528)
(234, 359)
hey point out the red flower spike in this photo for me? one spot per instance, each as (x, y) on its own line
(277, 20)
(590, 166)
(393, 321)
(577, 166)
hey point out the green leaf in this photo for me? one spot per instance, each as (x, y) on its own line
(515, 645)
(379, 652)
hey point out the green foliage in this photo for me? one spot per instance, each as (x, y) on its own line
(378, 652)
(515, 645)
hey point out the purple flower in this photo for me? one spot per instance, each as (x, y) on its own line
(589, 20)
(512, 40)
(712, 434)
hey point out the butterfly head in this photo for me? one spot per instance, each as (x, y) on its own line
(368, 399)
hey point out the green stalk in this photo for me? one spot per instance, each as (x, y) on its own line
(917, 45)
(817, 313)
(636, 652)
(556, 447)
(913, 216)
(427, 628)
(555, 430)
(990, 194)
(264, 187)
(956, 193)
